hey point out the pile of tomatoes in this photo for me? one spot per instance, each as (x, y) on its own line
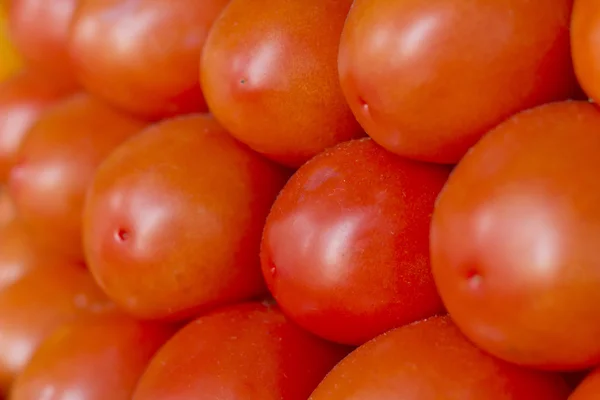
(299, 199)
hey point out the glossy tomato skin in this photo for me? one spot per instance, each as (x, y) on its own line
(513, 251)
(11, 60)
(345, 250)
(585, 30)
(269, 75)
(56, 163)
(432, 360)
(23, 98)
(426, 79)
(143, 55)
(36, 304)
(174, 219)
(97, 358)
(248, 351)
(7, 208)
(40, 31)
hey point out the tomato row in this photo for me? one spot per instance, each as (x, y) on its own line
(293, 199)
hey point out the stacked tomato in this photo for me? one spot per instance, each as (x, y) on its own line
(300, 199)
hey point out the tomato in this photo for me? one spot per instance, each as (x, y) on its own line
(99, 358)
(23, 98)
(56, 163)
(432, 360)
(589, 388)
(585, 39)
(426, 79)
(38, 303)
(250, 351)
(513, 246)
(7, 208)
(11, 60)
(345, 249)
(174, 219)
(270, 77)
(40, 31)
(142, 55)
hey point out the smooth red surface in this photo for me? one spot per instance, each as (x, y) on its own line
(345, 250)
(7, 208)
(38, 303)
(585, 40)
(426, 79)
(23, 98)
(56, 163)
(269, 74)
(250, 351)
(432, 360)
(174, 219)
(99, 358)
(40, 31)
(514, 243)
(142, 55)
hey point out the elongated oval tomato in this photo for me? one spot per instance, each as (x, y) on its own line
(270, 76)
(142, 55)
(426, 79)
(585, 40)
(432, 360)
(174, 219)
(36, 304)
(250, 351)
(40, 31)
(513, 242)
(99, 358)
(23, 98)
(57, 162)
(345, 250)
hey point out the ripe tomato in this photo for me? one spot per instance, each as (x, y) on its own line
(589, 388)
(270, 77)
(38, 303)
(174, 219)
(7, 208)
(23, 98)
(98, 358)
(513, 243)
(426, 79)
(11, 60)
(432, 360)
(250, 351)
(345, 249)
(142, 55)
(585, 39)
(57, 161)
(40, 30)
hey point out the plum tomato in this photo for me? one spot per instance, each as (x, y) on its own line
(174, 217)
(36, 304)
(585, 40)
(426, 79)
(142, 55)
(248, 351)
(432, 360)
(589, 388)
(345, 249)
(40, 31)
(98, 358)
(513, 239)
(269, 75)
(23, 98)
(57, 161)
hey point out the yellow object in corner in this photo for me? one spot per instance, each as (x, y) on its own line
(10, 61)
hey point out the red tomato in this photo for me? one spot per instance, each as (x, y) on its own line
(174, 219)
(513, 242)
(432, 360)
(270, 77)
(23, 98)
(57, 162)
(426, 79)
(585, 39)
(589, 388)
(345, 249)
(142, 55)
(38, 303)
(249, 351)
(40, 30)
(91, 359)
(7, 208)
